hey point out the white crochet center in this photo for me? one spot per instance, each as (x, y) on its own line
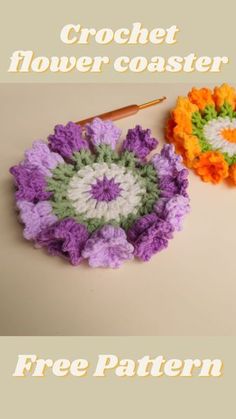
(213, 133)
(128, 202)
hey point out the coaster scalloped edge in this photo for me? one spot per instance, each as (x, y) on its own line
(80, 198)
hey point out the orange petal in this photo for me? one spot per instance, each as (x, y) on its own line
(182, 114)
(201, 97)
(211, 167)
(169, 129)
(187, 145)
(232, 174)
(224, 93)
(184, 104)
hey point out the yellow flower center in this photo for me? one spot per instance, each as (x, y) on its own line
(229, 134)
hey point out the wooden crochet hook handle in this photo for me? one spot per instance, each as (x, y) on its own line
(122, 112)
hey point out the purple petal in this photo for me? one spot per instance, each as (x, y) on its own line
(30, 182)
(149, 235)
(173, 210)
(139, 142)
(41, 157)
(36, 217)
(67, 139)
(103, 132)
(172, 175)
(65, 238)
(108, 247)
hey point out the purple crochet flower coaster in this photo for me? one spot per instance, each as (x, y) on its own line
(81, 199)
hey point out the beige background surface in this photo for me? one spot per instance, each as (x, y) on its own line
(189, 289)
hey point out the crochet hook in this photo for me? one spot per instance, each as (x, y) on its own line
(123, 112)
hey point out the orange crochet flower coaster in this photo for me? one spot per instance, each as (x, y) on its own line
(202, 127)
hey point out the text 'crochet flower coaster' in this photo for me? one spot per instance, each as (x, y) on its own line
(203, 128)
(80, 198)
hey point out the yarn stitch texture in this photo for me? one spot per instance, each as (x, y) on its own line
(81, 199)
(202, 127)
